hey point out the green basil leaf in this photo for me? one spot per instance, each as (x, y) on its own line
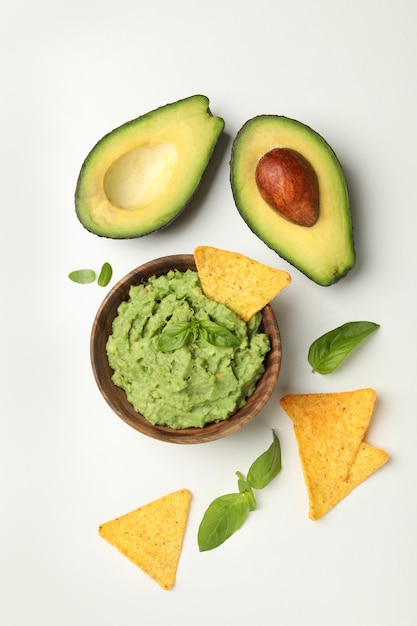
(224, 516)
(105, 275)
(328, 351)
(217, 335)
(244, 487)
(83, 276)
(267, 465)
(242, 483)
(175, 336)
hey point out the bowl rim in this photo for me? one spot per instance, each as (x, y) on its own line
(117, 399)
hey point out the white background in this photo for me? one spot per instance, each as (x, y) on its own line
(72, 71)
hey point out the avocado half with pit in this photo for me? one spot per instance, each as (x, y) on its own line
(139, 177)
(290, 189)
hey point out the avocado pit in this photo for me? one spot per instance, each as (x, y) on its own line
(288, 183)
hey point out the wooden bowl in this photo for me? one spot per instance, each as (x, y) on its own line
(116, 397)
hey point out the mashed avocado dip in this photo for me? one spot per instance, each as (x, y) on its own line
(187, 382)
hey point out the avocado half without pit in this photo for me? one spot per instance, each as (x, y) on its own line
(290, 189)
(139, 177)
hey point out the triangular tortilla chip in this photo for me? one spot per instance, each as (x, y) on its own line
(242, 284)
(152, 535)
(367, 461)
(329, 429)
(325, 496)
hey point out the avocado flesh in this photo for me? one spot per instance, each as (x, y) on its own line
(139, 177)
(325, 251)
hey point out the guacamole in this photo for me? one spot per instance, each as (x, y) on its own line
(189, 381)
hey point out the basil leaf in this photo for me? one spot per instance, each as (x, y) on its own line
(175, 336)
(217, 335)
(328, 351)
(224, 516)
(83, 276)
(244, 487)
(105, 275)
(242, 483)
(266, 466)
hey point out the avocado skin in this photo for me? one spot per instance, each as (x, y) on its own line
(325, 252)
(90, 198)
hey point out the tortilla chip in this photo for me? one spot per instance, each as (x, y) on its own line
(325, 497)
(242, 284)
(329, 429)
(367, 461)
(152, 535)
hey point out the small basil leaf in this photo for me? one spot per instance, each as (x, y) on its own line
(224, 516)
(217, 335)
(242, 483)
(105, 275)
(328, 351)
(83, 276)
(267, 465)
(194, 330)
(244, 487)
(175, 336)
